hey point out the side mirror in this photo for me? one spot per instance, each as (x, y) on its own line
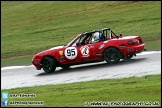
(78, 43)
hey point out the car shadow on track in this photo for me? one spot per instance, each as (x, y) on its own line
(92, 66)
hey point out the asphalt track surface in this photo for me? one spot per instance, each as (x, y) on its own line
(146, 63)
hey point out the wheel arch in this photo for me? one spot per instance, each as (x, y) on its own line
(50, 57)
(112, 55)
(113, 47)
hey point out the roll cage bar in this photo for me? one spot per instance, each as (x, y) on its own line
(105, 31)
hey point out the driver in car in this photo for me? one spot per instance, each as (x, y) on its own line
(99, 37)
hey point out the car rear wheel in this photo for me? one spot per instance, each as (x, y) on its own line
(48, 64)
(112, 55)
(65, 66)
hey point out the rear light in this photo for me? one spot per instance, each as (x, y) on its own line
(130, 42)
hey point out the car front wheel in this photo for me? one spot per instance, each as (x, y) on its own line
(112, 55)
(48, 64)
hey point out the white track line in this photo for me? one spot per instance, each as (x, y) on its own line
(15, 67)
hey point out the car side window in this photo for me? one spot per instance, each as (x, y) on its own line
(74, 44)
(80, 40)
(83, 40)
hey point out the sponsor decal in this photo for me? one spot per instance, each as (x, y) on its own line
(62, 58)
(91, 46)
(84, 51)
(101, 46)
(61, 53)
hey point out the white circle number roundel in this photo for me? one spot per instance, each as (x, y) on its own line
(71, 52)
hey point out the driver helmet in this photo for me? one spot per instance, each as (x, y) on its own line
(97, 36)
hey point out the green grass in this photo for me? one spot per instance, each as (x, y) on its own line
(134, 89)
(153, 45)
(17, 61)
(30, 26)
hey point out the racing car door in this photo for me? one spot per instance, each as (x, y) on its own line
(87, 52)
(85, 48)
(73, 52)
(83, 51)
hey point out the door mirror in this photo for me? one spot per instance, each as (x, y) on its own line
(78, 43)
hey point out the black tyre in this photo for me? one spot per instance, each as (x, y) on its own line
(65, 66)
(48, 64)
(112, 55)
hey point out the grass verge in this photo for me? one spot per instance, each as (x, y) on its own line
(146, 89)
(32, 26)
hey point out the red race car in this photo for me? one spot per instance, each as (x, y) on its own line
(88, 47)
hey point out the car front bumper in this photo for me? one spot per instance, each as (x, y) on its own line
(37, 64)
